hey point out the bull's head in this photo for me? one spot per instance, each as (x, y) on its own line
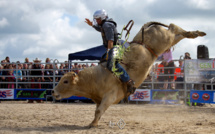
(65, 86)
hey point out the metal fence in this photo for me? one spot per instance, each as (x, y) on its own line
(10, 77)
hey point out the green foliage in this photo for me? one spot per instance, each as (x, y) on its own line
(118, 53)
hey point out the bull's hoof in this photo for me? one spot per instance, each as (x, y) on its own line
(201, 33)
(193, 34)
(93, 125)
(125, 100)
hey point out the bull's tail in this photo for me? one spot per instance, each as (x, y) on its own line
(153, 23)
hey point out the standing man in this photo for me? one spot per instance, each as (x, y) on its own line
(109, 33)
(169, 69)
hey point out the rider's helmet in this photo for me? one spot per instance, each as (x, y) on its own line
(101, 13)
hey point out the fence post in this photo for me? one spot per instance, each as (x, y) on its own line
(16, 75)
(153, 76)
(185, 85)
(54, 73)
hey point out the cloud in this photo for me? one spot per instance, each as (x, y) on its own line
(3, 22)
(34, 50)
(201, 4)
(51, 28)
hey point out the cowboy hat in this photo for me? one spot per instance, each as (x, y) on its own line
(37, 60)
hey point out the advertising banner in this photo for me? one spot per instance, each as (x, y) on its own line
(141, 95)
(30, 94)
(199, 71)
(214, 98)
(164, 95)
(6, 93)
(202, 96)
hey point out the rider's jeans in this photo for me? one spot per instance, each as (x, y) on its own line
(124, 76)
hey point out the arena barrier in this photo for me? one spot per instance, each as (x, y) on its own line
(30, 94)
(202, 96)
(197, 75)
(23, 94)
(155, 96)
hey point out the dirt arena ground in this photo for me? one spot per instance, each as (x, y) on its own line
(58, 118)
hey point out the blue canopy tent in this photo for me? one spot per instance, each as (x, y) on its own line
(94, 53)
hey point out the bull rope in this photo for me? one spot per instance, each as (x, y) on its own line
(119, 50)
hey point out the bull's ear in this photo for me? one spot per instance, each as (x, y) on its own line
(74, 78)
(74, 74)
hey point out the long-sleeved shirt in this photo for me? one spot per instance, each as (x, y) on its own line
(167, 56)
(19, 74)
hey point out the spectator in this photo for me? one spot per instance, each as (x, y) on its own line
(79, 67)
(25, 74)
(73, 66)
(27, 60)
(36, 71)
(4, 74)
(92, 64)
(21, 65)
(7, 59)
(179, 75)
(189, 86)
(62, 64)
(29, 64)
(42, 79)
(11, 79)
(48, 61)
(1, 74)
(75, 69)
(13, 65)
(87, 65)
(168, 69)
(84, 66)
(66, 68)
(60, 72)
(187, 55)
(56, 69)
(46, 74)
(160, 73)
(42, 67)
(51, 72)
(18, 74)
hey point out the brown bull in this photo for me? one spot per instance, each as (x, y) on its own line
(100, 85)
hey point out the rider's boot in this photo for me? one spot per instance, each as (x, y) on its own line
(130, 90)
(130, 86)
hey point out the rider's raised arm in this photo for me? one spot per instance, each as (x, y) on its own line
(97, 27)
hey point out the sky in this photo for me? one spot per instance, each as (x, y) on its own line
(54, 28)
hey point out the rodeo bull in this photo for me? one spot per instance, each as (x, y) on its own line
(100, 85)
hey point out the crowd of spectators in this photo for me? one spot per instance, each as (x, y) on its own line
(168, 75)
(35, 74)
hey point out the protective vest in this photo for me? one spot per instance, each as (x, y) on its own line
(160, 70)
(105, 41)
(178, 73)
